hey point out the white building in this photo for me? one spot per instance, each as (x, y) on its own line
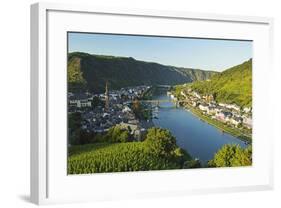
(247, 109)
(203, 107)
(222, 104)
(233, 106)
(235, 121)
(80, 103)
(211, 110)
(126, 109)
(183, 94)
(196, 95)
(247, 122)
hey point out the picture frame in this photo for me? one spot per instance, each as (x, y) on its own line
(49, 180)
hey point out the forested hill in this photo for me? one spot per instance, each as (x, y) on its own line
(233, 85)
(92, 71)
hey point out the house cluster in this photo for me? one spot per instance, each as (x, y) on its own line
(227, 113)
(100, 112)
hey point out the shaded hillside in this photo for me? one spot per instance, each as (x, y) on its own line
(233, 85)
(92, 71)
(196, 74)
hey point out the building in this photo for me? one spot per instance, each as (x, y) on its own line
(203, 107)
(211, 110)
(247, 122)
(79, 101)
(195, 94)
(223, 116)
(235, 121)
(126, 109)
(233, 106)
(183, 94)
(247, 109)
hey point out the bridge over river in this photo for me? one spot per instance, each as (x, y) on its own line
(157, 102)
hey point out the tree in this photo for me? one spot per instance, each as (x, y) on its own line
(137, 108)
(74, 126)
(117, 134)
(192, 164)
(124, 136)
(231, 156)
(97, 102)
(160, 142)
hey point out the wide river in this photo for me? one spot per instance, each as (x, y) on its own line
(197, 137)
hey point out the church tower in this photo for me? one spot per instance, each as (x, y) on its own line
(106, 95)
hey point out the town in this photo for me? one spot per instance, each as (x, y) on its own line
(100, 112)
(230, 114)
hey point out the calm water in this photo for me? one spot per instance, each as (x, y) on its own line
(197, 137)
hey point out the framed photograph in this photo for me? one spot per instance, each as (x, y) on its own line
(135, 103)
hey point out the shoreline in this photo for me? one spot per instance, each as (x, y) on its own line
(215, 123)
(218, 125)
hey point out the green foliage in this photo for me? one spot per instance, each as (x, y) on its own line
(233, 85)
(77, 136)
(192, 164)
(93, 71)
(161, 142)
(141, 111)
(232, 156)
(177, 90)
(74, 126)
(158, 152)
(117, 157)
(117, 134)
(74, 74)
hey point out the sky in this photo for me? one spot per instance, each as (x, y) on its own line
(206, 54)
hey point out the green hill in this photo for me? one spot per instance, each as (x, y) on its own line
(233, 85)
(118, 157)
(92, 71)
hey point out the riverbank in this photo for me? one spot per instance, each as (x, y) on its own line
(221, 126)
(200, 139)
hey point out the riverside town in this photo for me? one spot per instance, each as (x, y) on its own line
(101, 111)
(141, 103)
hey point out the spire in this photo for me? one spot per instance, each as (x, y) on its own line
(106, 87)
(106, 95)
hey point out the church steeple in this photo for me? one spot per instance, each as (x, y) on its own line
(106, 95)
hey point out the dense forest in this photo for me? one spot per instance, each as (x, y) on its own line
(233, 85)
(87, 71)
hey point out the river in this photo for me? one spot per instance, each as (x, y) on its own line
(200, 139)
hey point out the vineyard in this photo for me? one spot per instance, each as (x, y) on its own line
(116, 157)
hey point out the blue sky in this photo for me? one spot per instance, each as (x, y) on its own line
(206, 54)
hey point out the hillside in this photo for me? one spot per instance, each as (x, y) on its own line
(233, 85)
(116, 157)
(196, 74)
(92, 71)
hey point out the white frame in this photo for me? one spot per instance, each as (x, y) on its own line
(39, 93)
